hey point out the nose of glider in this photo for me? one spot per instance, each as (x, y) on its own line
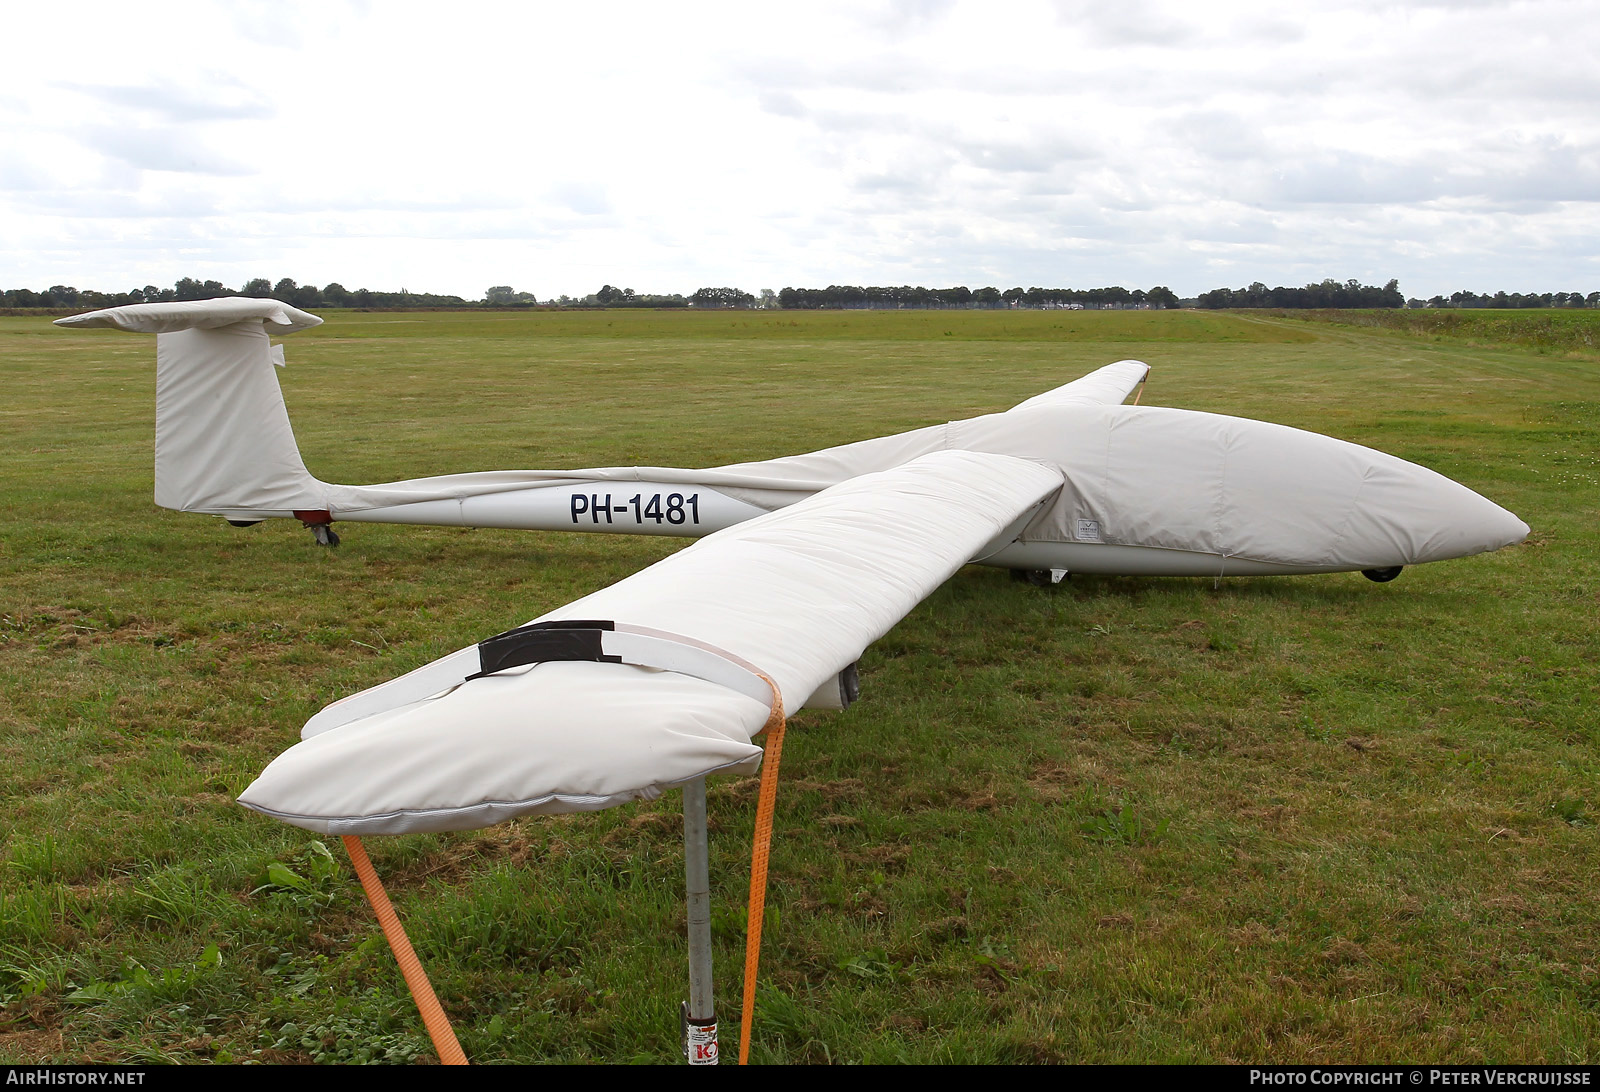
(1246, 489)
(1411, 514)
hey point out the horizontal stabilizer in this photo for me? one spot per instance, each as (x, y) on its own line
(169, 318)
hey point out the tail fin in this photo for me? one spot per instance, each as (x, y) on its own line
(223, 440)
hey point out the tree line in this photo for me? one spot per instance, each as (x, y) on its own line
(1514, 299)
(1354, 294)
(285, 290)
(1329, 293)
(309, 296)
(853, 297)
(505, 296)
(610, 296)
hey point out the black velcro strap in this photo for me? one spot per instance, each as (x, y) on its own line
(543, 642)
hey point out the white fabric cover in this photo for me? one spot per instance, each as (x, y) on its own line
(167, 318)
(799, 593)
(1204, 483)
(1136, 476)
(222, 430)
(1143, 476)
(1107, 386)
(559, 737)
(223, 438)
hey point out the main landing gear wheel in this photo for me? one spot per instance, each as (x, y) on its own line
(1039, 578)
(1382, 576)
(324, 535)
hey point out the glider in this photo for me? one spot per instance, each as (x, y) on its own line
(1146, 490)
(669, 675)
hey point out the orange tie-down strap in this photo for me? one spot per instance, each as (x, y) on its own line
(433, 1015)
(760, 849)
(438, 1024)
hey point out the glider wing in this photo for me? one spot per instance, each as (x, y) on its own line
(1107, 386)
(797, 594)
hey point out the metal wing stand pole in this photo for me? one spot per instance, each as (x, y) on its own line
(699, 1020)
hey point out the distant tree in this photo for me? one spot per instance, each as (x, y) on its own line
(1329, 293)
(284, 289)
(503, 295)
(1162, 296)
(336, 295)
(720, 297)
(259, 287)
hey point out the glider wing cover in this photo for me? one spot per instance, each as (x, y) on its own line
(799, 593)
(1107, 386)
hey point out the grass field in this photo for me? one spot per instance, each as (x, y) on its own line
(1565, 331)
(1290, 819)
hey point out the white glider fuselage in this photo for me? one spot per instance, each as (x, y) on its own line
(599, 507)
(1306, 503)
(1147, 491)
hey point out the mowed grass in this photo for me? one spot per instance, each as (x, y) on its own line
(1297, 819)
(1575, 332)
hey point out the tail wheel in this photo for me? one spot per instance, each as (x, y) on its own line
(320, 523)
(1382, 576)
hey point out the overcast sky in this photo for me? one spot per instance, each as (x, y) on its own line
(447, 147)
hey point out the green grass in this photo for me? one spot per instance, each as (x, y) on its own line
(1548, 330)
(1299, 819)
(863, 325)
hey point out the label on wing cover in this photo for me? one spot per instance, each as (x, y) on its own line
(1089, 530)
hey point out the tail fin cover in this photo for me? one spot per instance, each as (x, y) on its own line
(223, 439)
